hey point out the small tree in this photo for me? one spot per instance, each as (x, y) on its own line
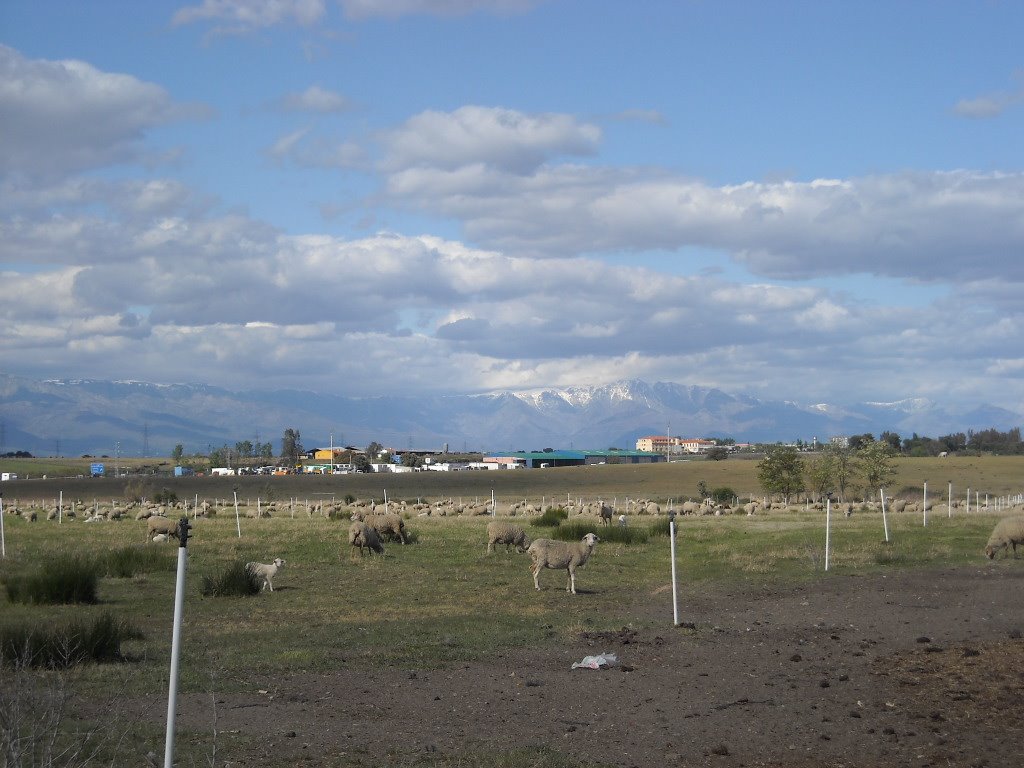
(844, 467)
(821, 473)
(718, 453)
(291, 447)
(781, 471)
(177, 453)
(875, 463)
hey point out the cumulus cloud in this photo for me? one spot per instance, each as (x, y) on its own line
(62, 117)
(491, 137)
(495, 171)
(248, 14)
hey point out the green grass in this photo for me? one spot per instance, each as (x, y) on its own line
(441, 600)
(233, 580)
(38, 644)
(65, 579)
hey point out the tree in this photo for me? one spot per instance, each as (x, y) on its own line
(892, 439)
(781, 471)
(718, 452)
(360, 462)
(244, 449)
(857, 441)
(821, 473)
(410, 459)
(291, 447)
(178, 452)
(844, 467)
(266, 451)
(373, 451)
(875, 463)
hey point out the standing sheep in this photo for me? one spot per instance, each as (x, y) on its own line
(388, 525)
(156, 525)
(360, 534)
(265, 571)
(500, 532)
(548, 553)
(1008, 532)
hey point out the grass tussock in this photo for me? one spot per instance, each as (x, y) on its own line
(234, 580)
(552, 518)
(125, 562)
(56, 582)
(613, 534)
(31, 644)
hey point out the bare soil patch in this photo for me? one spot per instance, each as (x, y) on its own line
(916, 668)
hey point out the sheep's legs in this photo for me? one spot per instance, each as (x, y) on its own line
(571, 586)
(536, 576)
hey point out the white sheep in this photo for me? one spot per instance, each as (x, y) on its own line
(160, 538)
(157, 524)
(1008, 532)
(500, 532)
(388, 525)
(265, 571)
(570, 555)
(361, 534)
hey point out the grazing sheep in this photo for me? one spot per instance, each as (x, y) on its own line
(361, 534)
(157, 524)
(388, 526)
(500, 532)
(265, 571)
(606, 513)
(570, 555)
(160, 538)
(1009, 532)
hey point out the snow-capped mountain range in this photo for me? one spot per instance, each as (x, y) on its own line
(72, 417)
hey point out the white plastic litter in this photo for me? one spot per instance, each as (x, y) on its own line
(601, 661)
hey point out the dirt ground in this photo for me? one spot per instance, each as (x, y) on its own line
(902, 669)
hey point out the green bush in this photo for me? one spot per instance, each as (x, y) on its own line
(71, 579)
(616, 534)
(552, 518)
(724, 495)
(125, 562)
(58, 647)
(234, 581)
(660, 527)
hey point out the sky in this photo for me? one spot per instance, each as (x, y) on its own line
(810, 201)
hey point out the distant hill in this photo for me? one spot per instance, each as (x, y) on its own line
(73, 417)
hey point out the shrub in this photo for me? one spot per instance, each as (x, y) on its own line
(660, 527)
(350, 499)
(724, 495)
(619, 535)
(165, 496)
(137, 490)
(60, 581)
(552, 517)
(234, 581)
(125, 562)
(58, 647)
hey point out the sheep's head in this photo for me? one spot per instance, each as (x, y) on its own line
(990, 551)
(279, 562)
(591, 539)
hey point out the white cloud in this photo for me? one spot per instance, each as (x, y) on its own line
(992, 104)
(246, 14)
(362, 9)
(61, 117)
(315, 99)
(497, 138)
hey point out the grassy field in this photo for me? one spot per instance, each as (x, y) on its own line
(994, 475)
(441, 600)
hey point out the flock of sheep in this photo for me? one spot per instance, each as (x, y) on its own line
(372, 525)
